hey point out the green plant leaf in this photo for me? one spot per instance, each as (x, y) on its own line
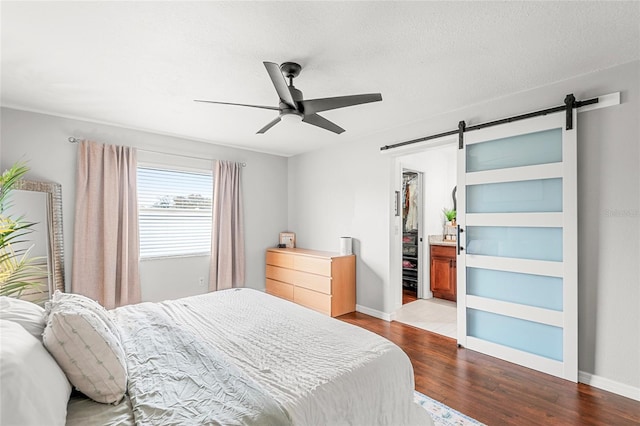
(18, 271)
(8, 180)
(449, 214)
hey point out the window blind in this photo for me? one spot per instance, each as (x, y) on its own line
(174, 212)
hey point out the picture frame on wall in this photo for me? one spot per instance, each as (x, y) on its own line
(287, 239)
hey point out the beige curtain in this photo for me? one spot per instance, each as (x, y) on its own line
(106, 244)
(227, 232)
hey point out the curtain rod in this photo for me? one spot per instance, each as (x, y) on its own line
(71, 139)
(570, 103)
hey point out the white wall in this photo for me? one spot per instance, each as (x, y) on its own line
(344, 192)
(41, 140)
(438, 166)
(347, 190)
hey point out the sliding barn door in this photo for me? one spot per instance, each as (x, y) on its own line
(517, 262)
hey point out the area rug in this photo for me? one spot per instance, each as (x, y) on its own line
(443, 415)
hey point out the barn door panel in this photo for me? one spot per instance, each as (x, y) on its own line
(517, 261)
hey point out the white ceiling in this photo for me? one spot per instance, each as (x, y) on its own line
(141, 64)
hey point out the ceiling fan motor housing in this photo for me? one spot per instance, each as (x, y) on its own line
(295, 94)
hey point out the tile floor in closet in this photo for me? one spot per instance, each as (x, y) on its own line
(436, 315)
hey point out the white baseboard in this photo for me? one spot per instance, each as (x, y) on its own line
(609, 385)
(373, 312)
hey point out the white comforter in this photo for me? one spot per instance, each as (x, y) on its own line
(177, 378)
(321, 371)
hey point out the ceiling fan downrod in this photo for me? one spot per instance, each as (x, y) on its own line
(291, 70)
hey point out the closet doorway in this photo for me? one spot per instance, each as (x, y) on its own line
(436, 168)
(412, 275)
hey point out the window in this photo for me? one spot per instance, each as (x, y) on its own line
(174, 212)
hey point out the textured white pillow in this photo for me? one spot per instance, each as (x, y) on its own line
(86, 349)
(34, 389)
(78, 300)
(27, 314)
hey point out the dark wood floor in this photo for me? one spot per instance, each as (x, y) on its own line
(496, 392)
(408, 296)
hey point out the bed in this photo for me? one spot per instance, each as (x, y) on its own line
(243, 357)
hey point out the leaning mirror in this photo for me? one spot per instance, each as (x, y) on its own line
(41, 202)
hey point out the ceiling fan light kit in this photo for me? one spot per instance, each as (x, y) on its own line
(294, 108)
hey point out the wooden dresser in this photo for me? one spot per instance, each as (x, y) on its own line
(322, 281)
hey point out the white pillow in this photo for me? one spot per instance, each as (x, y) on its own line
(34, 389)
(27, 314)
(78, 300)
(86, 349)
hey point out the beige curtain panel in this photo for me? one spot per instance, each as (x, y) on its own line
(106, 243)
(227, 231)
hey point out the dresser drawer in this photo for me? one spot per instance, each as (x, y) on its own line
(443, 251)
(276, 273)
(313, 282)
(312, 265)
(313, 300)
(280, 289)
(280, 259)
(299, 278)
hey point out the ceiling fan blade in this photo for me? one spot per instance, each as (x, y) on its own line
(245, 105)
(269, 125)
(322, 122)
(280, 83)
(311, 106)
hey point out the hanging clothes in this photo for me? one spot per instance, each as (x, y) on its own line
(411, 202)
(406, 195)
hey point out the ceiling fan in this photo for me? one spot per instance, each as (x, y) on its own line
(293, 106)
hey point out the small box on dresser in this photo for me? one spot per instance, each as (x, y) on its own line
(322, 281)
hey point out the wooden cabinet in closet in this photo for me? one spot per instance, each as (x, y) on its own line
(443, 272)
